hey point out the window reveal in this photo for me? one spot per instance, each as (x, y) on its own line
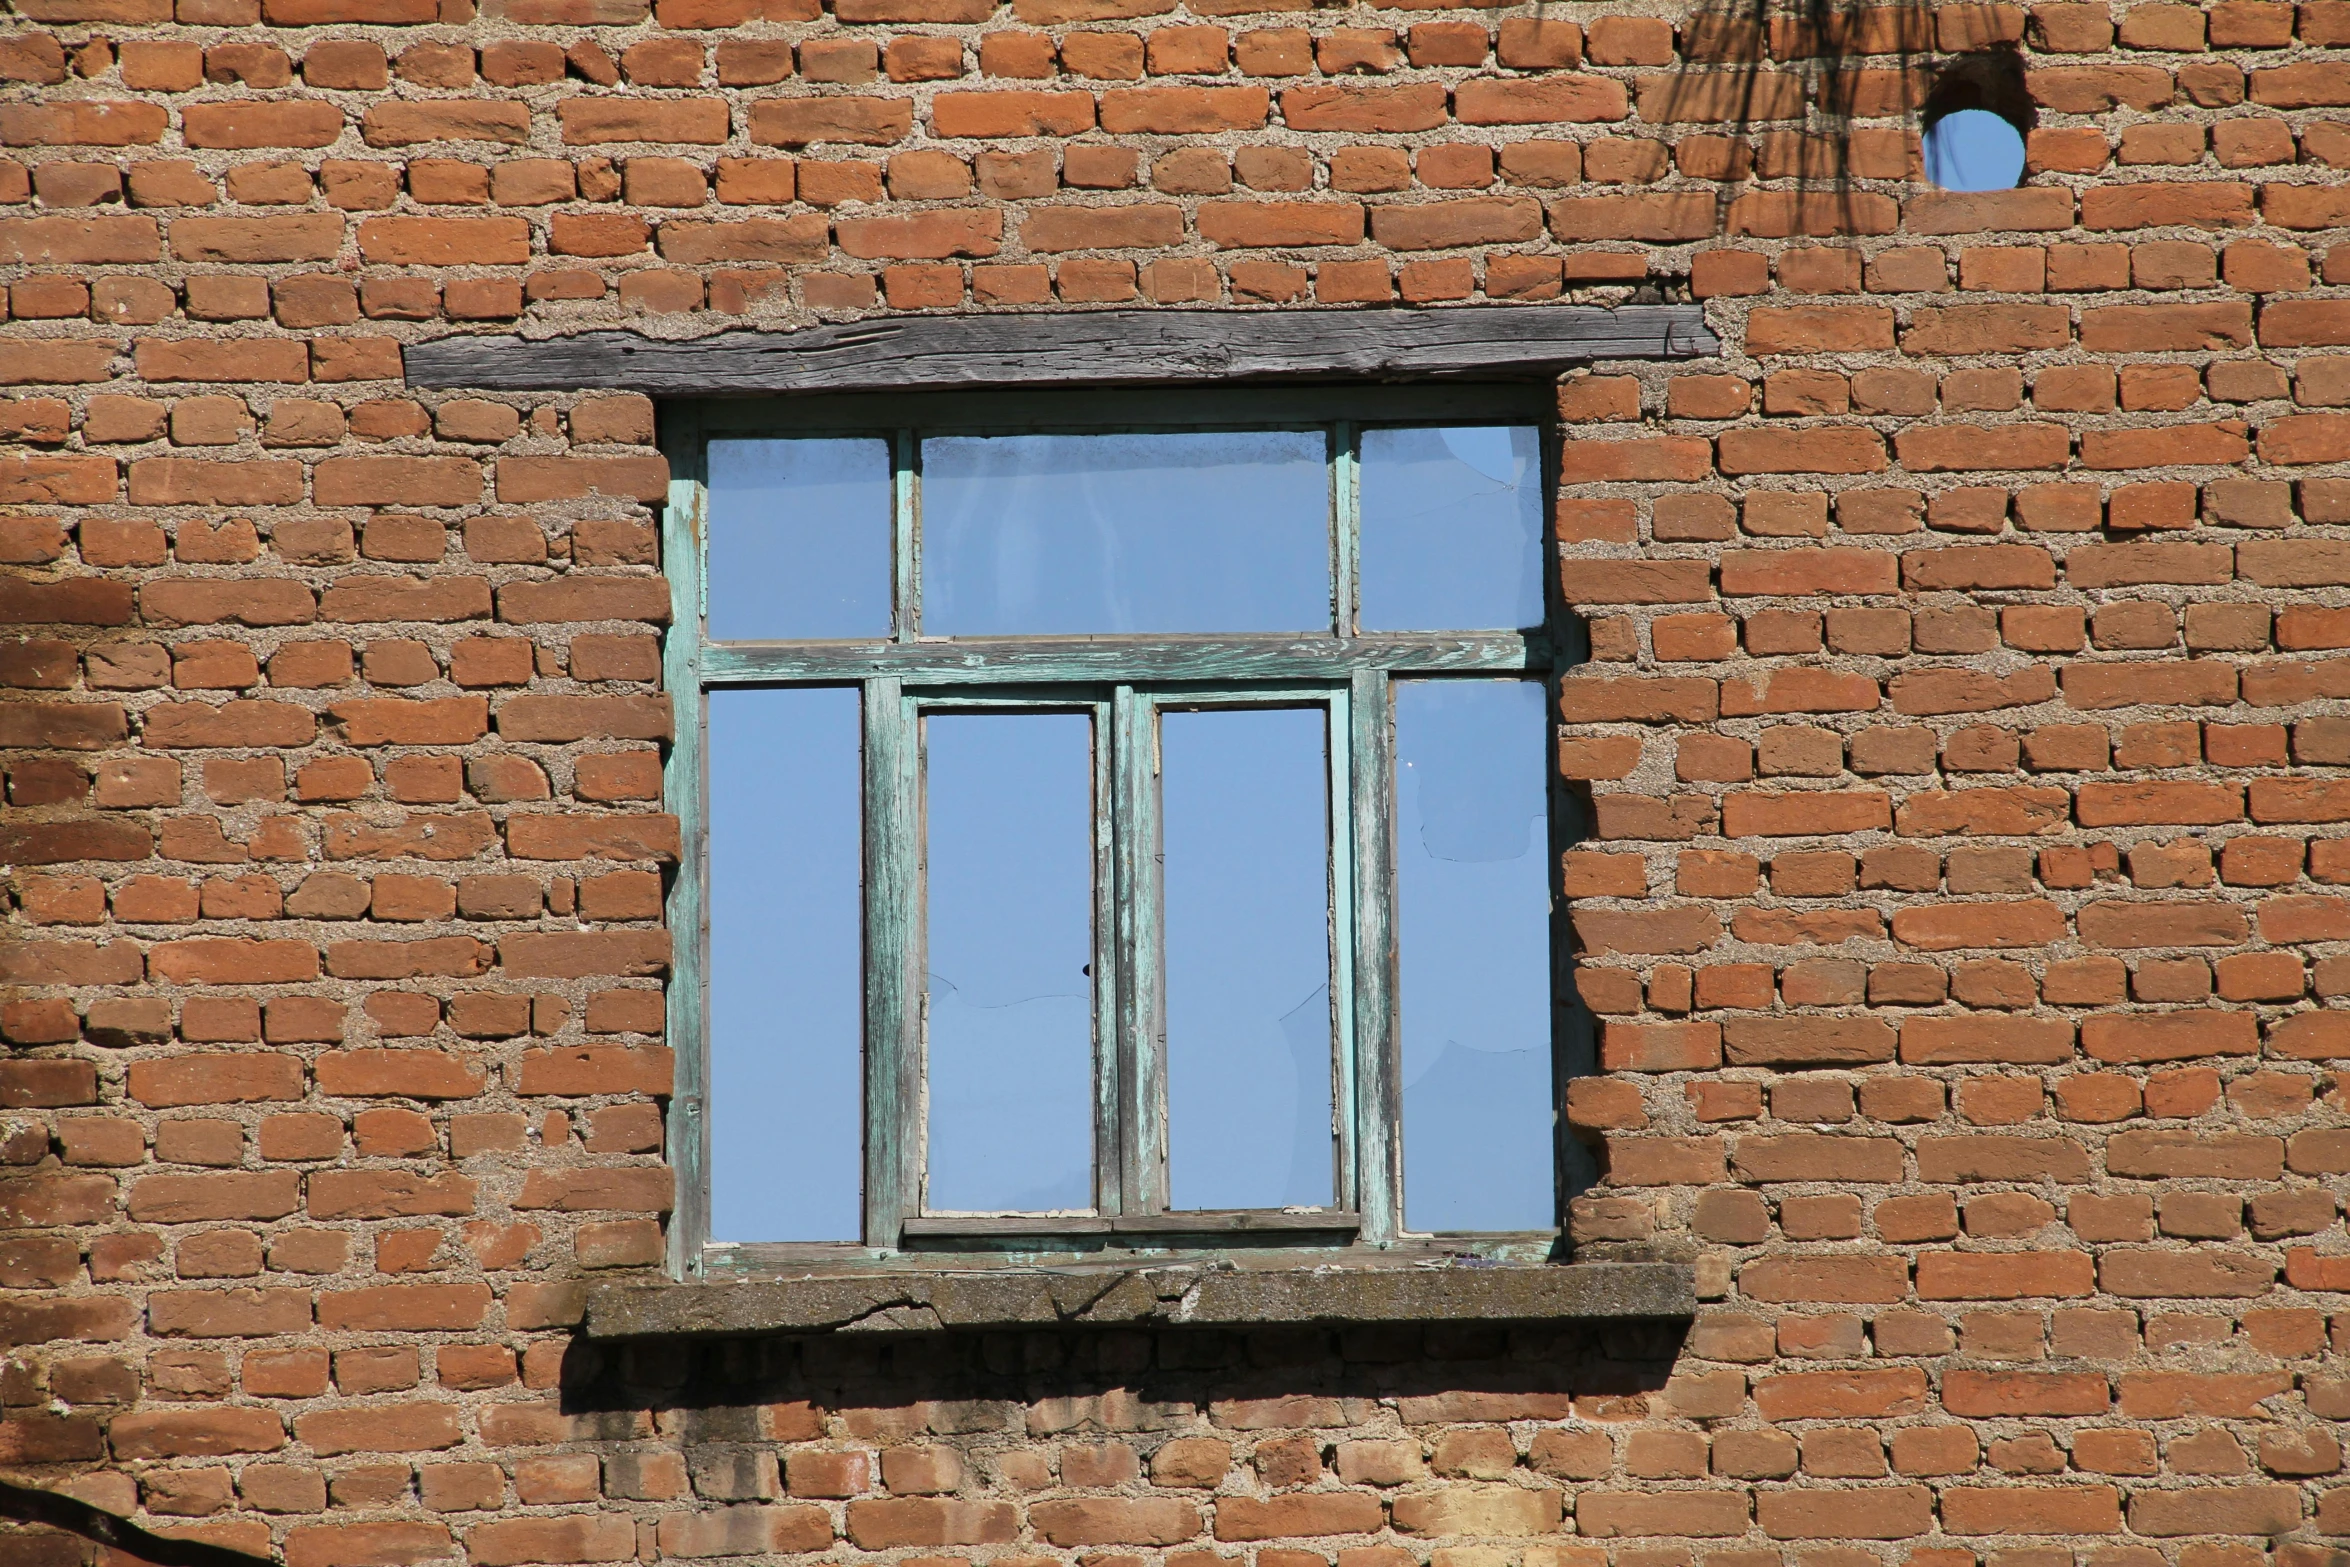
(1180, 794)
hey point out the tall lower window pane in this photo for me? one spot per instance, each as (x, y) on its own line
(786, 966)
(1244, 800)
(1008, 799)
(1473, 926)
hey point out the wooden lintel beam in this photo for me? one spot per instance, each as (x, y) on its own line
(1078, 348)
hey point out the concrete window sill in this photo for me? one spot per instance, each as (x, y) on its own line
(913, 1300)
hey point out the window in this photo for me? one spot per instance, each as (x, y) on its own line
(1117, 822)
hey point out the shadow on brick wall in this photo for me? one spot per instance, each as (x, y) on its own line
(1025, 1385)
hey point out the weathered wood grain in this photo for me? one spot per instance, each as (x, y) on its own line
(1084, 348)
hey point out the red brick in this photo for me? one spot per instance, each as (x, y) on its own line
(195, 1433)
(243, 1077)
(1660, 1047)
(364, 1544)
(1822, 1395)
(1664, 458)
(1115, 1521)
(2032, 1510)
(413, 1074)
(89, 122)
(1954, 1275)
(441, 242)
(1839, 1280)
(575, 1537)
(1773, 329)
(2009, 1394)
(602, 121)
(1298, 1515)
(2169, 1036)
(1673, 1514)
(882, 1524)
(1830, 449)
(1009, 114)
(1808, 571)
(1057, 228)
(1978, 448)
(1549, 100)
(1362, 108)
(244, 125)
(1938, 1041)
(2240, 1510)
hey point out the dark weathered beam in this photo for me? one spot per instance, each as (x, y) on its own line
(1085, 348)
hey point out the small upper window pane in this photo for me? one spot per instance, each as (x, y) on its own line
(799, 539)
(1452, 529)
(1047, 535)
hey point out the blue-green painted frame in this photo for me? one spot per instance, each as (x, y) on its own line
(1124, 682)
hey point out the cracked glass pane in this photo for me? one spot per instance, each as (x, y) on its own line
(1452, 529)
(1046, 535)
(786, 965)
(1244, 797)
(799, 539)
(1008, 799)
(1473, 928)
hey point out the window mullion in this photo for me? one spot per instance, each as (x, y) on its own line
(1345, 525)
(893, 960)
(1136, 1057)
(1109, 988)
(1345, 913)
(905, 537)
(686, 790)
(1378, 1098)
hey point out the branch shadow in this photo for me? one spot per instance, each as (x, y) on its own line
(1787, 85)
(69, 1515)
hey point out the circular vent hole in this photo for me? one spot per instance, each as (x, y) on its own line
(1974, 149)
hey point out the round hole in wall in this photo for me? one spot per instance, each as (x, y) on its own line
(1974, 149)
(1975, 120)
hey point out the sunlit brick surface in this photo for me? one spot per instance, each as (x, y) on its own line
(1962, 907)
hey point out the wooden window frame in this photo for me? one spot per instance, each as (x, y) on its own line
(1123, 679)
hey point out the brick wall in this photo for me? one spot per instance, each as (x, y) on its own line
(1965, 737)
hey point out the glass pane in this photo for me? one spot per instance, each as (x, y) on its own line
(799, 539)
(1245, 816)
(1473, 925)
(1010, 917)
(1065, 534)
(786, 966)
(1452, 529)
